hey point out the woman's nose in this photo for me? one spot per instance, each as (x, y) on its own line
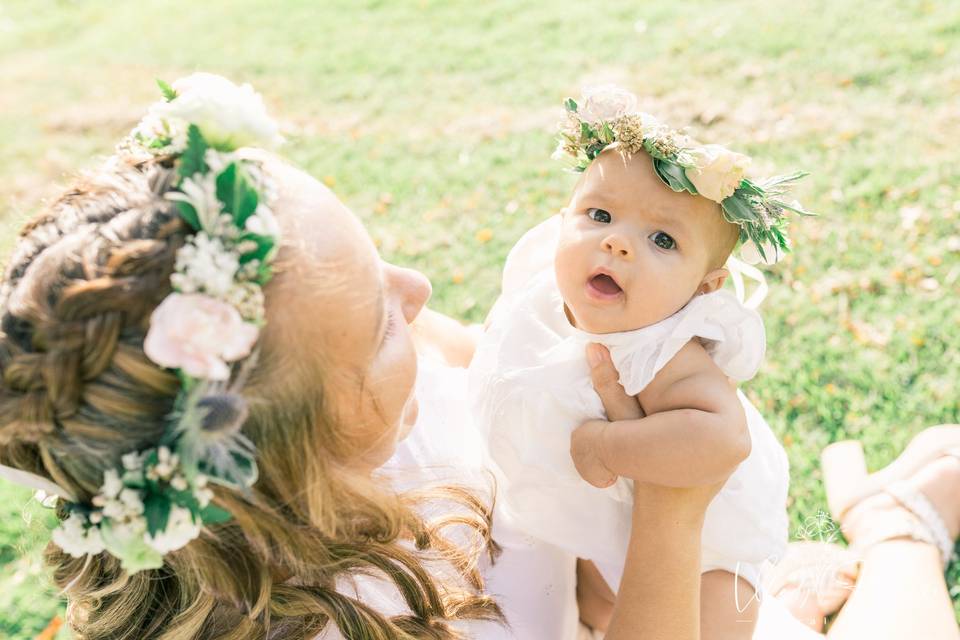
(413, 288)
(618, 246)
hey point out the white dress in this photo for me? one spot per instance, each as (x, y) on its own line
(533, 581)
(530, 388)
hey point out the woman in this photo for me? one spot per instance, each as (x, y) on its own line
(320, 544)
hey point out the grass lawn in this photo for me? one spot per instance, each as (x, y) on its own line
(434, 120)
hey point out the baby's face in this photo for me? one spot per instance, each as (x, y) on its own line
(632, 251)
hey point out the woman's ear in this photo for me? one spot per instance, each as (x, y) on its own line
(713, 281)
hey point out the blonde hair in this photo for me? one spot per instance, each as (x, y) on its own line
(78, 392)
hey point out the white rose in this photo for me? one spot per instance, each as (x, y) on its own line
(606, 102)
(717, 171)
(198, 334)
(750, 254)
(229, 116)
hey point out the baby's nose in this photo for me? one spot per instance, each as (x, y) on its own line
(618, 246)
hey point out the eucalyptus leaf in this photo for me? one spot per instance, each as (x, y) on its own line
(673, 176)
(570, 104)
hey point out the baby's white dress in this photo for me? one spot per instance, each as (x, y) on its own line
(529, 388)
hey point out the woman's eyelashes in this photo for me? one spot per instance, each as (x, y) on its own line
(599, 215)
(390, 328)
(664, 240)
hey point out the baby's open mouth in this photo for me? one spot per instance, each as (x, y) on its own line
(604, 287)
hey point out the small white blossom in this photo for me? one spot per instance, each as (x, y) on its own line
(132, 461)
(179, 483)
(75, 538)
(204, 265)
(203, 496)
(263, 222)
(132, 504)
(115, 510)
(180, 530)
(200, 192)
(112, 485)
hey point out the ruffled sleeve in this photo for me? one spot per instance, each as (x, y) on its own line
(732, 334)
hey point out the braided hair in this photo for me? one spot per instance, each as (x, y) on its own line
(78, 392)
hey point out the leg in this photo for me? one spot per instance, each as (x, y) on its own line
(728, 607)
(901, 593)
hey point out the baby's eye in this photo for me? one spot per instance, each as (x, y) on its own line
(663, 240)
(599, 215)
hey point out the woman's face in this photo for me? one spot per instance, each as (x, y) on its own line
(341, 310)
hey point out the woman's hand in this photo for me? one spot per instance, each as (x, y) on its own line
(659, 595)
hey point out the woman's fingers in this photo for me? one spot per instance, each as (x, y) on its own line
(606, 381)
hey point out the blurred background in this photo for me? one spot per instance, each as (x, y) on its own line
(434, 121)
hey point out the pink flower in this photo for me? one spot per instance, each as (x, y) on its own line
(198, 334)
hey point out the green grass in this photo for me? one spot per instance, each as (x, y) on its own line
(433, 120)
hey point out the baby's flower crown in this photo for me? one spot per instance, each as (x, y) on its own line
(608, 115)
(206, 330)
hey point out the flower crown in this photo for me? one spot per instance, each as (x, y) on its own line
(205, 330)
(608, 115)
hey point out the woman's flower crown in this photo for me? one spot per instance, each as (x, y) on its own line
(205, 330)
(608, 115)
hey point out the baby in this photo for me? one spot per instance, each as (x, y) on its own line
(636, 262)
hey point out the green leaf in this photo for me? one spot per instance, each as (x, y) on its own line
(156, 509)
(237, 194)
(169, 93)
(673, 175)
(265, 246)
(212, 514)
(189, 214)
(570, 104)
(738, 209)
(193, 158)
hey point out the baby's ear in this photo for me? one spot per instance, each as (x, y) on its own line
(713, 280)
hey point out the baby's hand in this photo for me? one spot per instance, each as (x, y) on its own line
(585, 448)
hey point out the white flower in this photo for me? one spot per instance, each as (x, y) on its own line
(112, 485)
(203, 496)
(205, 265)
(151, 128)
(717, 171)
(133, 505)
(228, 116)
(114, 510)
(179, 483)
(75, 538)
(131, 461)
(751, 255)
(263, 222)
(180, 530)
(606, 102)
(199, 335)
(200, 192)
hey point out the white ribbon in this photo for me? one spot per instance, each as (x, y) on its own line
(740, 270)
(33, 481)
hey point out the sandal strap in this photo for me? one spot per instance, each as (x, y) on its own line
(921, 507)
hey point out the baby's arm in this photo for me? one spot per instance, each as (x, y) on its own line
(694, 432)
